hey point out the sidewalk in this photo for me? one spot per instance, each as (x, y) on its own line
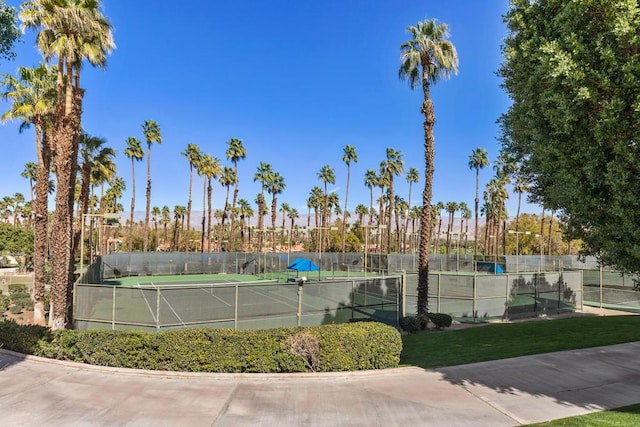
(37, 391)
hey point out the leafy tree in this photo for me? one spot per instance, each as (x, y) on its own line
(427, 58)
(8, 30)
(16, 240)
(571, 69)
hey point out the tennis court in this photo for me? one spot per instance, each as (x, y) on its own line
(236, 301)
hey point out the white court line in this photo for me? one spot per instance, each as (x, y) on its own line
(290, 299)
(216, 297)
(147, 302)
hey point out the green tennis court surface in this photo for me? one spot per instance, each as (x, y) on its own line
(187, 279)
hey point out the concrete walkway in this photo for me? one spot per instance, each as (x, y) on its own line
(37, 391)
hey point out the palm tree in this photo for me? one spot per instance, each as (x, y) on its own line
(178, 215)
(135, 152)
(427, 58)
(209, 167)
(284, 209)
(235, 152)
(262, 175)
(275, 186)
(349, 156)
(521, 186)
(370, 181)
(227, 179)
(152, 135)
(477, 160)
(71, 31)
(293, 215)
(465, 214)
(93, 154)
(192, 153)
(245, 212)
(361, 210)
(327, 176)
(29, 172)
(165, 220)
(451, 208)
(413, 177)
(315, 202)
(33, 95)
(392, 166)
(155, 215)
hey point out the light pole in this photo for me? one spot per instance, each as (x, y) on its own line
(107, 216)
(518, 233)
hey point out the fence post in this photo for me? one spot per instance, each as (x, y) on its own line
(113, 309)
(235, 310)
(300, 291)
(475, 295)
(158, 308)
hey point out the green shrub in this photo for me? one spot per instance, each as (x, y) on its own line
(18, 287)
(22, 338)
(4, 303)
(362, 345)
(16, 309)
(413, 324)
(441, 320)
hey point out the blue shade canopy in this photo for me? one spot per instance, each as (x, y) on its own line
(303, 264)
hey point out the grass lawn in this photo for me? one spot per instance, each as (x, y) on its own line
(499, 341)
(622, 417)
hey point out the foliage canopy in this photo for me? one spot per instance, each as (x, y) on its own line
(9, 32)
(571, 68)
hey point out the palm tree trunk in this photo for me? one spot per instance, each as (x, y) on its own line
(41, 223)
(425, 220)
(475, 230)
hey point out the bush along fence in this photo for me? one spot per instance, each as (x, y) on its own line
(346, 347)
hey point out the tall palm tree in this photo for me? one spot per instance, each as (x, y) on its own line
(477, 160)
(227, 179)
(326, 175)
(92, 152)
(165, 219)
(361, 210)
(156, 214)
(427, 58)
(349, 156)
(179, 213)
(284, 209)
(32, 95)
(209, 167)
(413, 177)
(235, 152)
(521, 186)
(392, 166)
(370, 181)
(463, 209)
(451, 208)
(71, 31)
(245, 212)
(152, 135)
(293, 215)
(135, 152)
(275, 186)
(192, 153)
(262, 175)
(29, 172)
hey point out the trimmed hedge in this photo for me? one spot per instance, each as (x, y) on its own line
(344, 347)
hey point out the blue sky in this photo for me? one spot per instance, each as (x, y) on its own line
(296, 81)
